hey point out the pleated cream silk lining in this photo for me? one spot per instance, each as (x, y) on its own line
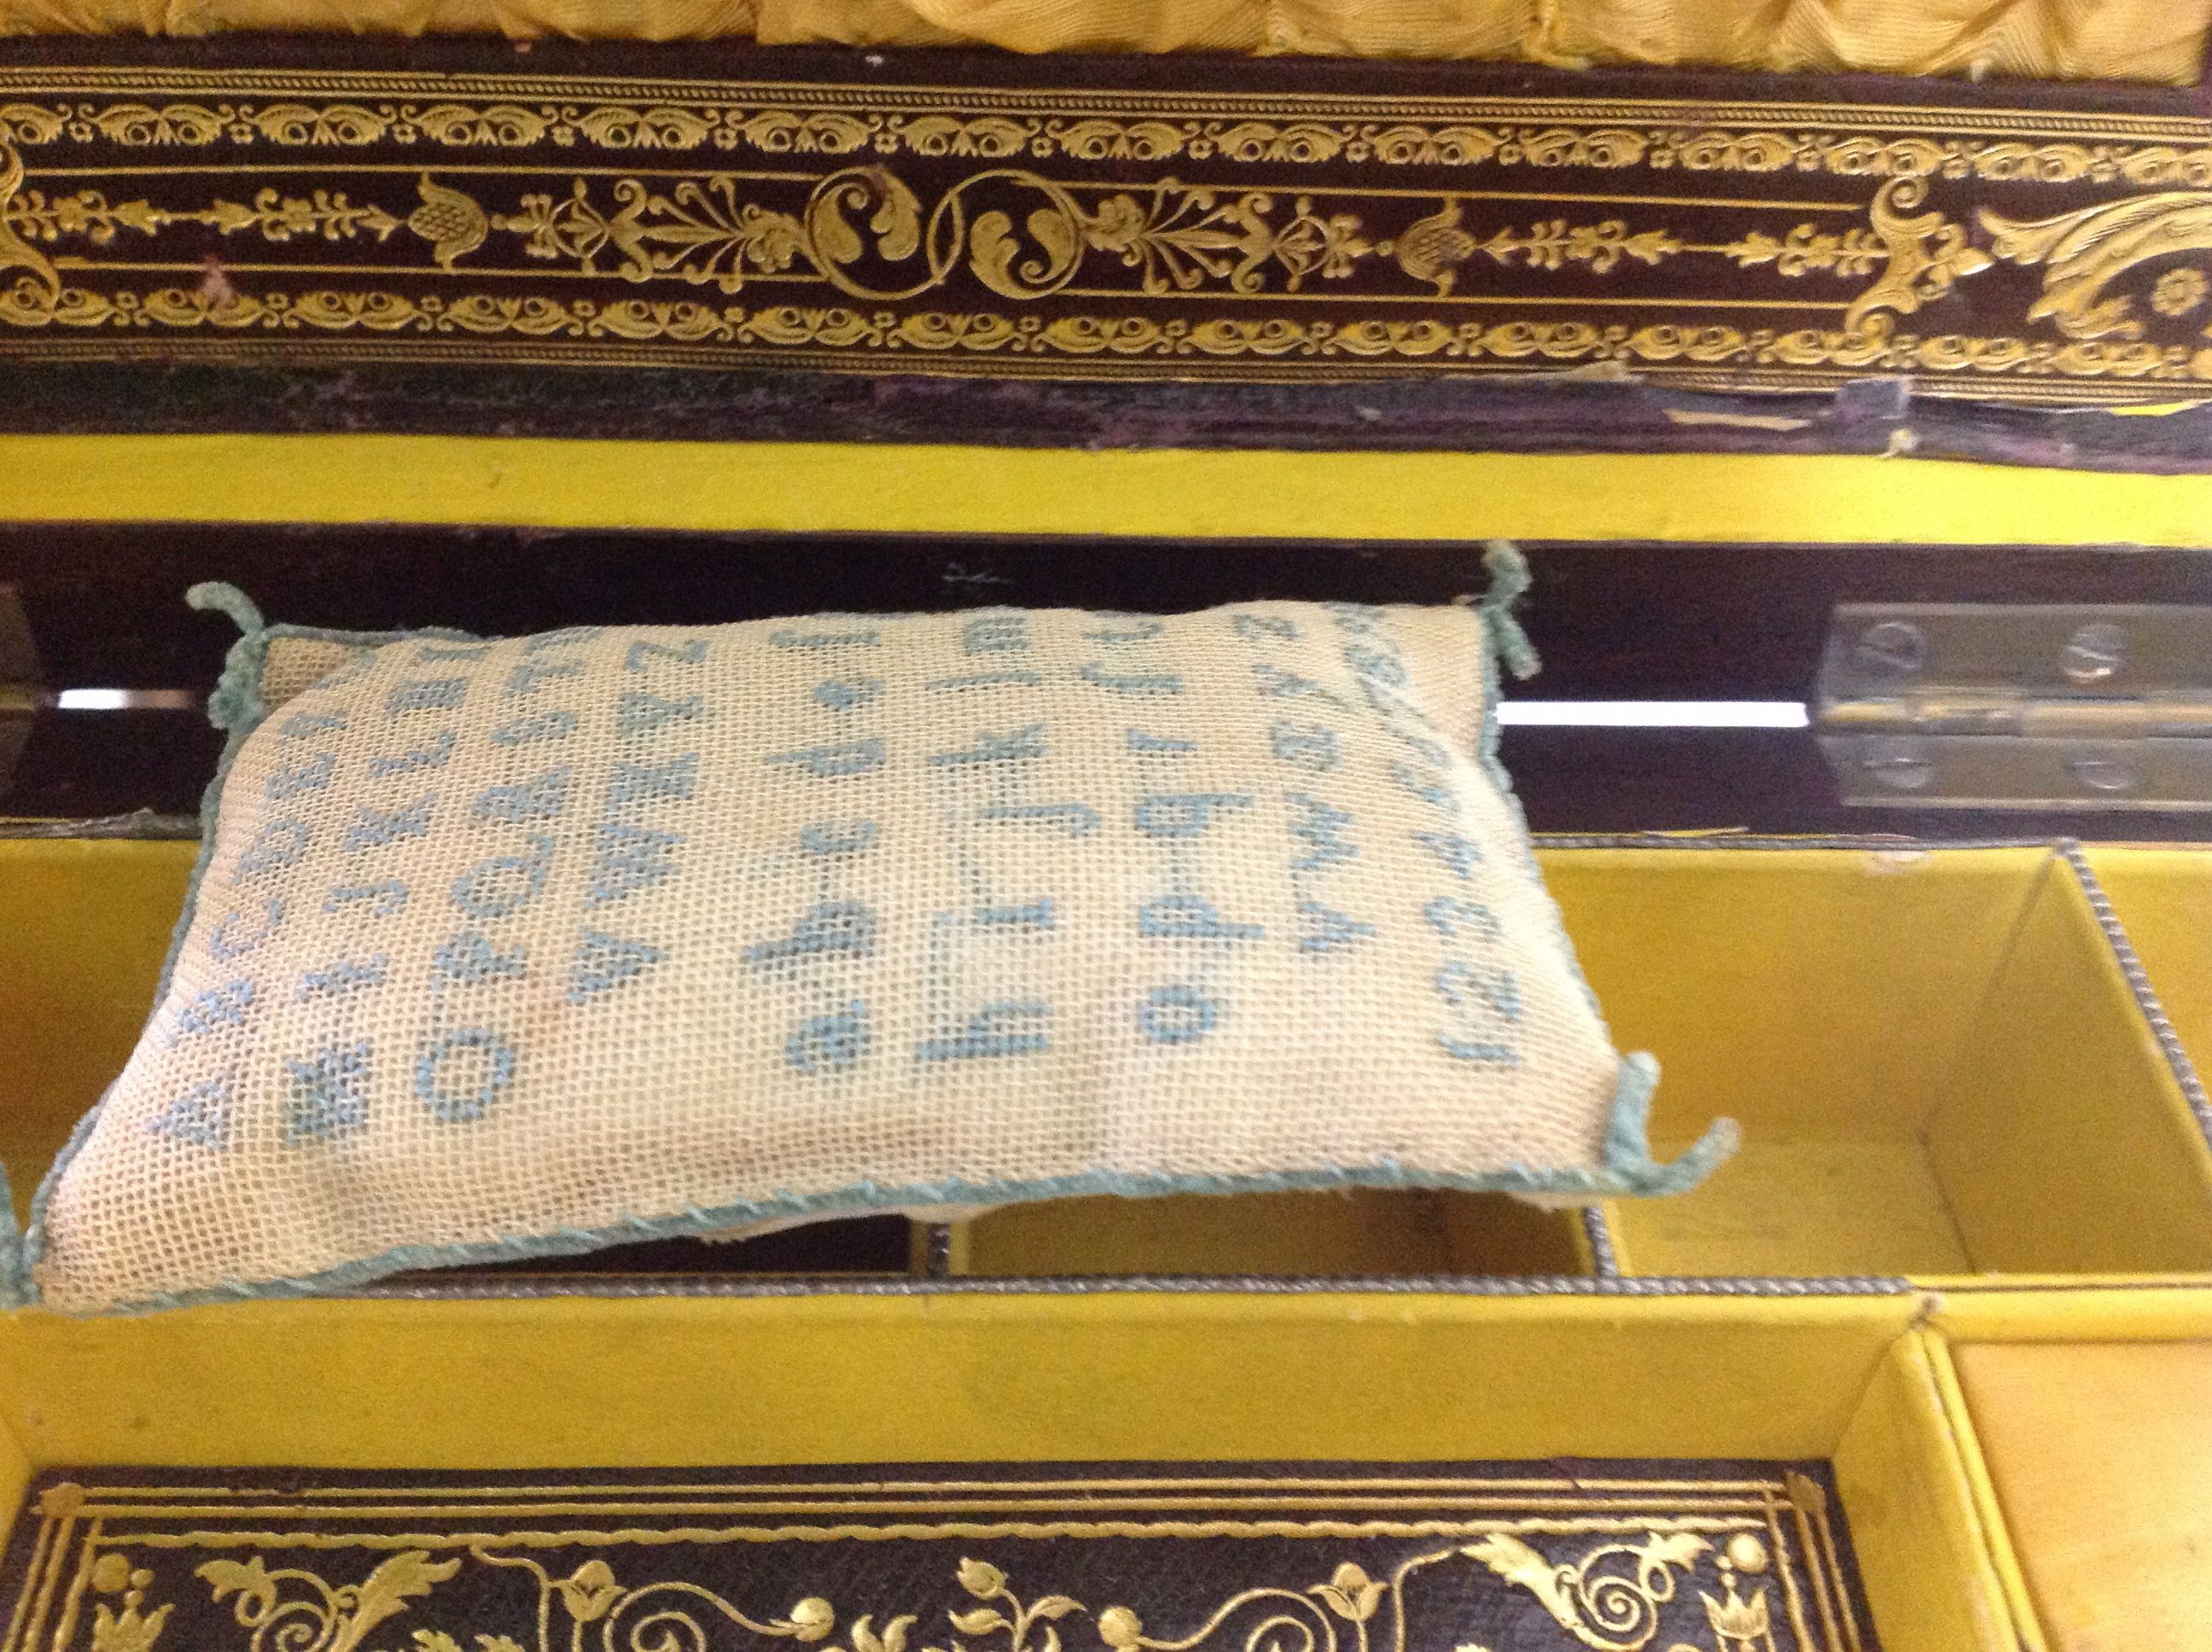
(2155, 40)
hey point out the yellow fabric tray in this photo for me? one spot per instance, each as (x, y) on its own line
(1940, 1068)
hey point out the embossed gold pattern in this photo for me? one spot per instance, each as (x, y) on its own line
(915, 229)
(293, 1609)
(1712, 1561)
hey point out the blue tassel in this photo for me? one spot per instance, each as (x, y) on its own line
(1509, 583)
(236, 706)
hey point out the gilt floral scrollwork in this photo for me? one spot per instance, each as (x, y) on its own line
(1608, 1595)
(2082, 253)
(293, 1610)
(15, 252)
(1602, 1608)
(1927, 253)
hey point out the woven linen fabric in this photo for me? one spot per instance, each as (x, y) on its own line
(521, 946)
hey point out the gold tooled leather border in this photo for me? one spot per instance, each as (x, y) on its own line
(329, 215)
(1723, 1557)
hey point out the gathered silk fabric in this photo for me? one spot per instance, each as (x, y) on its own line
(2157, 40)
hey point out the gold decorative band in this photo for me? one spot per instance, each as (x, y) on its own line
(255, 215)
(1712, 1558)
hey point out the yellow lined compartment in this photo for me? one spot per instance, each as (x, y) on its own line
(567, 1382)
(1938, 1066)
(1361, 1231)
(1937, 1061)
(84, 925)
(2083, 1430)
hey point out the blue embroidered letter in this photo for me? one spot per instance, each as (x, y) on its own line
(629, 858)
(996, 634)
(224, 944)
(1158, 683)
(1191, 918)
(633, 783)
(1448, 914)
(563, 638)
(433, 756)
(1184, 814)
(1376, 666)
(1427, 786)
(532, 675)
(341, 976)
(825, 1041)
(833, 762)
(219, 1006)
(483, 1056)
(839, 927)
(542, 798)
(199, 1118)
(1164, 744)
(1323, 829)
(1453, 852)
(372, 829)
(329, 1094)
(822, 639)
(1276, 684)
(985, 680)
(425, 693)
(279, 844)
(640, 714)
(828, 837)
(1138, 631)
(604, 962)
(389, 894)
(991, 748)
(301, 724)
(847, 694)
(995, 1029)
(1080, 818)
(1309, 745)
(313, 775)
(504, 884)
(546, 725)
(1176, 1015)
(689, 652)
(471, 959)
(1332, 930)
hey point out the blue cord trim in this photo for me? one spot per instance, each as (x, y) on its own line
(1629, 1168)
(864, 1198)
(14, 1286)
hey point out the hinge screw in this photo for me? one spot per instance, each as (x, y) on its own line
(1892, 648)
(2095, 652)
(2103, 769)
(1900, 763)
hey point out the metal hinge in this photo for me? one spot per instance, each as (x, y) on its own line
(19, 685)
(2058, 706)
